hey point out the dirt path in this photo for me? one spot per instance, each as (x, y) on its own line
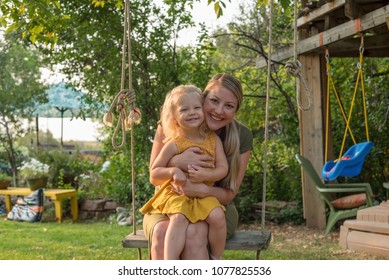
(301, 242)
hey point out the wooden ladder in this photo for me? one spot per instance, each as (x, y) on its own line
(242, 240)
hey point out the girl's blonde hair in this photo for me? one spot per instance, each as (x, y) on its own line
(168, 121)
(231, 142)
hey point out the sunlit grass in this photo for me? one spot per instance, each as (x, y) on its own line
(66, 241)
(103, 241)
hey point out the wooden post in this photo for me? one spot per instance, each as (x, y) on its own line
(312, 139)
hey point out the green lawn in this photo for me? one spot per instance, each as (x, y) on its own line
(102, 241)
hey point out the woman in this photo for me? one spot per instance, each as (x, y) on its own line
(222, 98)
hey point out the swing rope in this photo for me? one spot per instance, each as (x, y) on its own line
(126, 120)
(293, 68)
(269, 65)
(360, 79)
(331, 84)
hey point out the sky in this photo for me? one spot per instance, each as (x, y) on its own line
(87, 130)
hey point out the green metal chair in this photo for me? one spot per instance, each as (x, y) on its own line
(327, 191)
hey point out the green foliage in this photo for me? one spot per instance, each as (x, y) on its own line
(118, 178)
(19, 91)
(5, 177)
(38, 18)
(290, 214)
(65, 167)
(91, 186)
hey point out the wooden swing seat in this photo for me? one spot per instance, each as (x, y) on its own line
(242, 240)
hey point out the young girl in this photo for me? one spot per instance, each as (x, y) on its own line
(182, 120)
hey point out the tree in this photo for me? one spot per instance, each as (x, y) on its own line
(19, 90)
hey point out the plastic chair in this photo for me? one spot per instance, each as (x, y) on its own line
(350, 164)
(327, 191)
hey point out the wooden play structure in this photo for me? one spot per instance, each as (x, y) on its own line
(369, 232)
(335, 26)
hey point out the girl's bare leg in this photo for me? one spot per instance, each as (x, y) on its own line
(175, 236)
(217, 232)
(196, 244)
(158, 240)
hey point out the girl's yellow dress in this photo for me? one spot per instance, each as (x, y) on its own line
(165, 201)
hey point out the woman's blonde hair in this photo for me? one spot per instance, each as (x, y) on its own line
(167, 120)
(231, 142)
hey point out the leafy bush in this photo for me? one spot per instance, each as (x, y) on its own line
(117, 180)
(65, 167)
(90, 186)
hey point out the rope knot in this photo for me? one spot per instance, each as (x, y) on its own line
(293, 68)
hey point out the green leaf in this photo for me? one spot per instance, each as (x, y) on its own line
(218, 9)
(262, 2)
(11, 28)
(33, 38)
(285, 4)
(37, 29)
(57, 4)
(3, 22)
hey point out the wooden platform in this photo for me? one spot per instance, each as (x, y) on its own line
(369, 232)
(242, 240)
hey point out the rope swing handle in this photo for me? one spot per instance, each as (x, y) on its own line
(126, 97)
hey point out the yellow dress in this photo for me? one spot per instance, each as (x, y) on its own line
(165, 201)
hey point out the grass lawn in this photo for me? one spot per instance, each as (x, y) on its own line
(102, 241)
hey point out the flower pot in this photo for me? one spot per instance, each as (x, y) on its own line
(4, 184)
(36, 183)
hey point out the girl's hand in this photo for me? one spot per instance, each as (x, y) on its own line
(196, 174)
(191, 156)
(179, 179)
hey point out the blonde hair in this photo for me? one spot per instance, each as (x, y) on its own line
(168, 121)
(231, 143)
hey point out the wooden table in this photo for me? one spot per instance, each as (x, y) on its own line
(57, 195)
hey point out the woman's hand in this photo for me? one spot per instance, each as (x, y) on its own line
(191, 189)
(191, 156)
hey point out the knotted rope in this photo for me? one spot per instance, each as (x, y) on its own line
(126, 98)
(293, 68)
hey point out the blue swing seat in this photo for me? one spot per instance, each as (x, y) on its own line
(350, 164)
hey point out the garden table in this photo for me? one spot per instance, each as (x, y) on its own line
(57, 195)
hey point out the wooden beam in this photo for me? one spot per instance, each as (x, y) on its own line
(352, 10)
(336, 34)
(322, 11)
